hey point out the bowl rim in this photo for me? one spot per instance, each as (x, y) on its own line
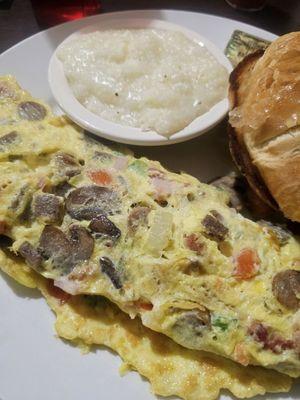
(127, 134)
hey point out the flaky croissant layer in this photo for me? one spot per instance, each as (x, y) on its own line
(265, 117)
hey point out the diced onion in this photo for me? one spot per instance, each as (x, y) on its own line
(159, 232)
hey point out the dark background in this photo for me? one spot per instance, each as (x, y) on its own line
(279, 16)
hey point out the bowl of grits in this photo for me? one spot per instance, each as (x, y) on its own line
(140, 81)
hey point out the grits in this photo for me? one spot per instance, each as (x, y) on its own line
(151, 79)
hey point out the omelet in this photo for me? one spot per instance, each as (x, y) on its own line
(171, 369)
(163, 247)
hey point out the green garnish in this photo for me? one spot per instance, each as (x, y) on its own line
(241, 44)
(139, 166)
(220, 322)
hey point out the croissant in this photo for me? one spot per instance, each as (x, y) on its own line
(264, 123)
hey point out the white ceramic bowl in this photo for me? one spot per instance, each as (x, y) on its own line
(127, 134)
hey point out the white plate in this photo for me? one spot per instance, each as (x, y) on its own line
(33, 363)
(126, 134)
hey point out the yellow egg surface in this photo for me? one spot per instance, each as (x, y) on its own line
(162, 246)
(171, 369)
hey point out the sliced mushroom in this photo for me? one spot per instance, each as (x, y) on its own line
(281, 234)
(109, 269)
(66, 159)
(198, 318)
(286, 288)
(21, 201)
(137, 217)
(88, 202)
(66, 252)
(32, 111)
(62, 189)
(82, 243)
(104, 226)
(8, 139)
(6, 92)
(234, 185)
(192, 323)
(31, 255)
(4, 227)
(6, 246)
(55, 245)
(103, 156)
(214, 227)
(48, 208)
(68, 164)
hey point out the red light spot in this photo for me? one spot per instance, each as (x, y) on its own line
(72, 16)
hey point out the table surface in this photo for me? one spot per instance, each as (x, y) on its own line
(278, 16)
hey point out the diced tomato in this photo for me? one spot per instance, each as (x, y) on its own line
(247, 264)
(57, 292)
(100, 177)
(241, 355)
(193, 243)
(143, 305)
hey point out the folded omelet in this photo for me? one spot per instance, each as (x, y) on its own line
(160, 245)
(170, 368)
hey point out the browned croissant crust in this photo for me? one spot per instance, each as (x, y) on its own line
(264, 121)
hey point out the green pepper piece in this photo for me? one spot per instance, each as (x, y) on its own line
(139, 167)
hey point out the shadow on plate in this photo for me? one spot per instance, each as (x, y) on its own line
(20, 290)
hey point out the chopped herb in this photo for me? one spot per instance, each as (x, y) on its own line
(220, 322)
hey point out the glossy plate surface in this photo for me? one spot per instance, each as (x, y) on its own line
(34, 364)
